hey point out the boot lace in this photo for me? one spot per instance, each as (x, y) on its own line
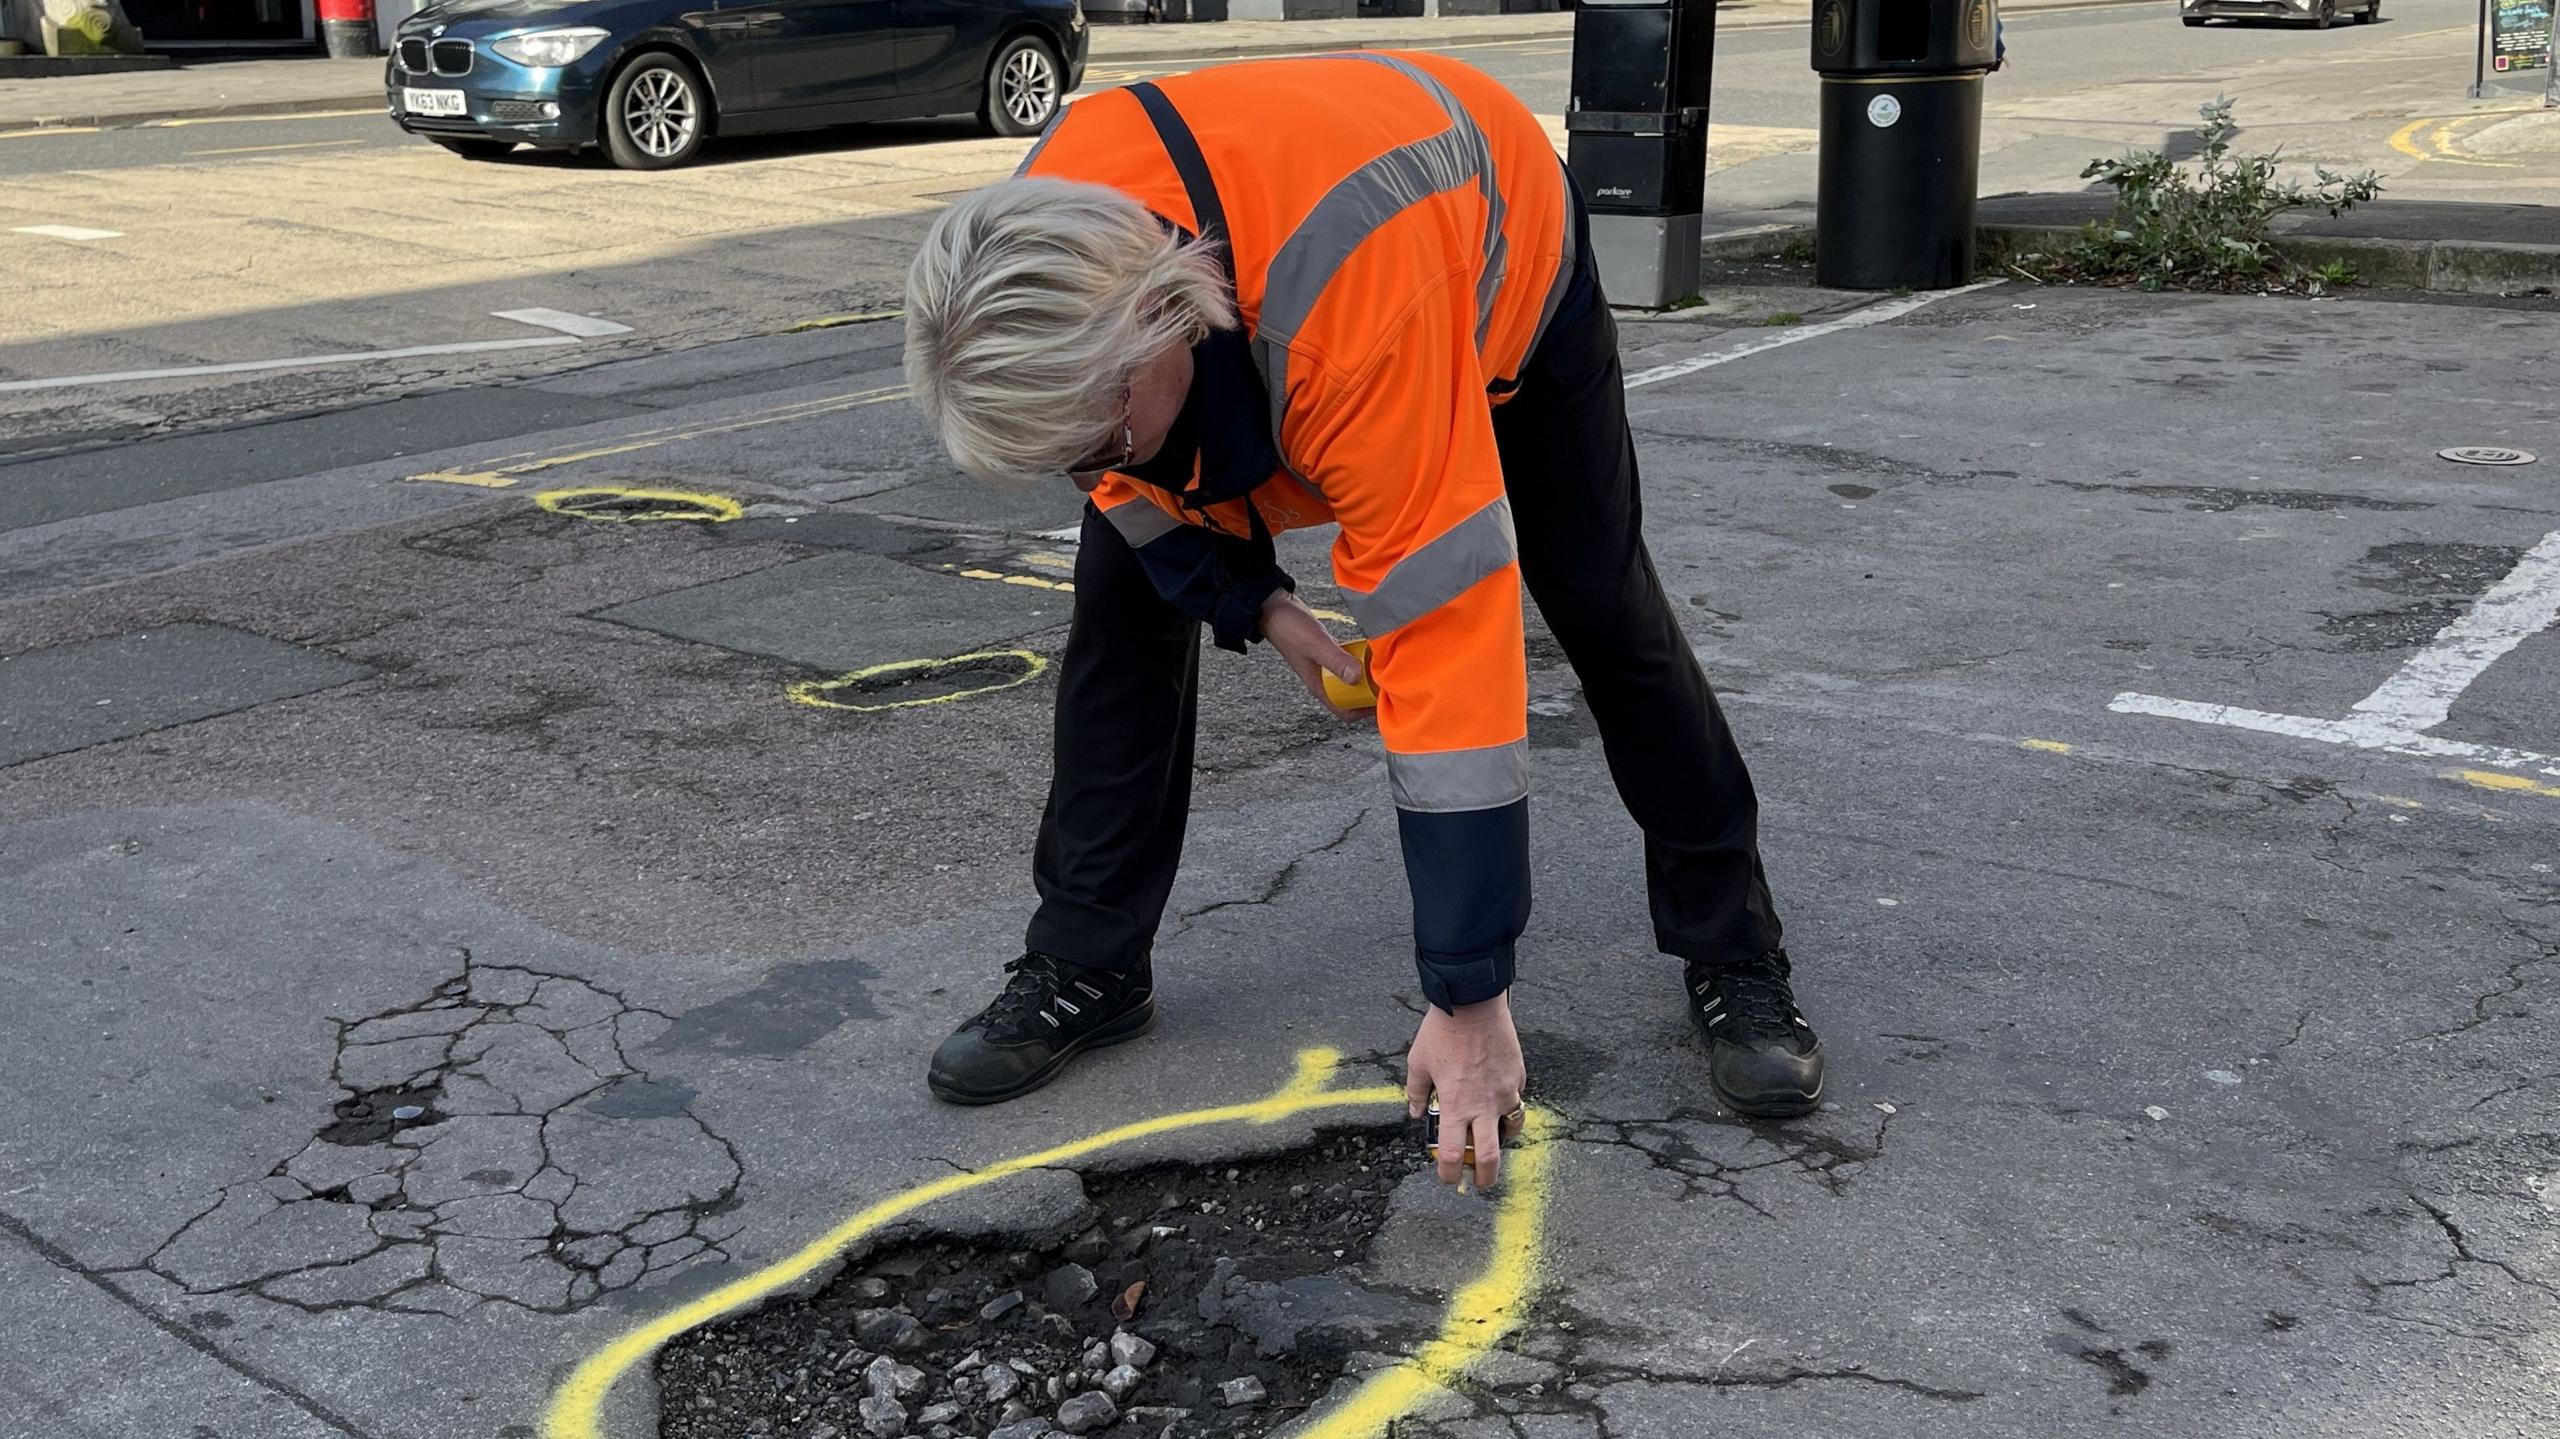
(1043, 995)
(1750, 1001)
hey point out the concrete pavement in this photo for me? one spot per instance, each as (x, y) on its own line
(254, 241)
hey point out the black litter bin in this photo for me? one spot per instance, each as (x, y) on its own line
(1901, 139)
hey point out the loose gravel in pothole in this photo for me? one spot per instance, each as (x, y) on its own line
(1207, 1302)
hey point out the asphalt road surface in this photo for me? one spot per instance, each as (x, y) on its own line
(2158, 758)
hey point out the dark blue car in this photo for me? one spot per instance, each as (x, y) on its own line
(652, 80)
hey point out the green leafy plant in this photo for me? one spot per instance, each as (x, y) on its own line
(1783, 318)
(2331, 275)
(2202, 226)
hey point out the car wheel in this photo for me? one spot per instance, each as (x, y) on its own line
(656, 116)
(477, 149)
(2370, 13)
(2192, 22)
(1023, 87)
(2328, 13)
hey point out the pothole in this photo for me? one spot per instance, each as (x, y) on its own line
(1220, 1302)
(374, 1115)
(908, 683)
(623, 505)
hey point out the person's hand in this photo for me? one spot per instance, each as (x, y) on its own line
(1309, 651)
(1470, 1059)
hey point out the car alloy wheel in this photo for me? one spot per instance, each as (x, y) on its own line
(661, 114)
(1028, 88)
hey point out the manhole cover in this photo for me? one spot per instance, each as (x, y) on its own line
(908, 683)
(620, 505)
(2486, 455)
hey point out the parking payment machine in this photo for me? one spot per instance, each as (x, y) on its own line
(1636, 140)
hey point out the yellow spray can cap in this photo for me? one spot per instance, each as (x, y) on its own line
(1361, 696)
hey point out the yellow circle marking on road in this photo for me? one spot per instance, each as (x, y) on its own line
(618, 505)
(823, 694)
(1491, 1305)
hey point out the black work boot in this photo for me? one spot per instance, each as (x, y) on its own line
(1766, 1062)
(1050, 1012)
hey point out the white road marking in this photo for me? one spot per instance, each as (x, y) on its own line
(2397, 716)
(2421, 695)
(1893, 309)
(68, 232)
(297, 362)
(1855, 319)
(585, 327)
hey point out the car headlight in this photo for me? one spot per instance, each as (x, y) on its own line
(550, 49)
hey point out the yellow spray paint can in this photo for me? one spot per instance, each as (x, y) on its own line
(1362, 696)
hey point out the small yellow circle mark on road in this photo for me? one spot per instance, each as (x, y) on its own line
(906, 684)
(620, 505)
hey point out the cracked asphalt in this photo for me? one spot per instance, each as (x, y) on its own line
(437, 944)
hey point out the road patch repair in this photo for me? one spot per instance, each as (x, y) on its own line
(91, 692)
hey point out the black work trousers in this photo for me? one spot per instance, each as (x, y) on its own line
(1127, 690)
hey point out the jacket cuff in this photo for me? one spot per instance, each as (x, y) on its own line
(1236, 619)
(1452, 980)
(1469, 871)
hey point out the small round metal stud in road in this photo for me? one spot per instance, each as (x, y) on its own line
(2486, 455)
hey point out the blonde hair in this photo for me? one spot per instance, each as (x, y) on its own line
(1029, 306)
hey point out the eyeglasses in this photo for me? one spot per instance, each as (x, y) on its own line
(1128, 447)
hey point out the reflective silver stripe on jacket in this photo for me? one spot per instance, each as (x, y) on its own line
(1497, 245)
(1438, 572)
(1352, 211)
(1140, 523)
(1459, 780)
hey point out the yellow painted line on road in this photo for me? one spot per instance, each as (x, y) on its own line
(270, 149)
(42, 130)
(821, 694)
(2048, 746)
(2504, 783)
(2446, 146)
(1031, 582)
(187, 121)
(829, 322)
(1478, 1316)
(617, 505)
(503, 472)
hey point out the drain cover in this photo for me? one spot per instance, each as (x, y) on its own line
(2486, 455)
(610, 502)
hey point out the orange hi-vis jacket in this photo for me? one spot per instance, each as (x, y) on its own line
(1400, 236)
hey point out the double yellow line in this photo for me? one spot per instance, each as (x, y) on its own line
(502, 472)
(2445, 142)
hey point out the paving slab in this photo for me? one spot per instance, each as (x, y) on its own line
(842, 612)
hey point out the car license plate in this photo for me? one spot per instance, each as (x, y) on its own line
(431, 102)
